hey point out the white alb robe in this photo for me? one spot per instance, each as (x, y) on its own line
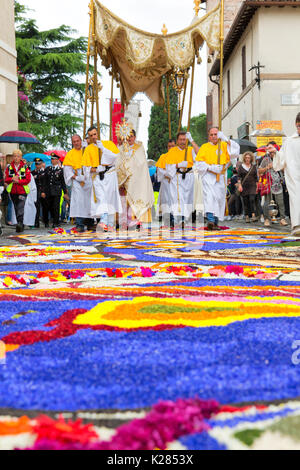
(104, 196)
(80, 205)
(29, 209)
(198, 205)
(181, 192)
(163, 203)
(288, 159)
(214, 191)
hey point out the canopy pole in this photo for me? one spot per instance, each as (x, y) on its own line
(221, 77)
(96, 88)
(97, 93)
(111, 106)
(190, 107)
(183, 103)
(88, 69)
(169, 106)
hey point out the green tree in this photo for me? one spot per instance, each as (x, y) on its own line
(198, 129)
(159, 126)
(51, 94)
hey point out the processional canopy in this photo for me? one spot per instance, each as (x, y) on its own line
(139, 59)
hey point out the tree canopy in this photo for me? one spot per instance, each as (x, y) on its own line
(51, 94)
(198, 129)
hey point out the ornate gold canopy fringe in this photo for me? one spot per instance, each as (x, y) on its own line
(139, 59)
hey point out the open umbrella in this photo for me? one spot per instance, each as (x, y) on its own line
(262, 149)
(245, 145)
(268, 133)
(30, 157)
(18, 137)
(61, 153)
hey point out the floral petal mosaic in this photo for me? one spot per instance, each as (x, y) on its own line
(108, 337)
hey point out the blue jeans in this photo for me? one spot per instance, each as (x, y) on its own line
(211, 218)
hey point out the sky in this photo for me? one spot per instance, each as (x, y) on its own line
(149, 15)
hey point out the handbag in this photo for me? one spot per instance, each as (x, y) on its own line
(238, 192)
(265, 184)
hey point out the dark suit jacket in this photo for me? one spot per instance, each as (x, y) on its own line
(54, 182)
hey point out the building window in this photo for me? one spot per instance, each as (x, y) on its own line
(244, 68)
(228, 90)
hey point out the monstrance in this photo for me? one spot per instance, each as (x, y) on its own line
(123, 132)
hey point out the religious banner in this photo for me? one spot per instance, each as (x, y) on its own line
(117, 116)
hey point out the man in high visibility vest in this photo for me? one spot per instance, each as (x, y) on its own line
(17, 179)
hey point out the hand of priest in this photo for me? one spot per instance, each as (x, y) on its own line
(222, 136)
(182, 165)
(189, 137)
(100, 145)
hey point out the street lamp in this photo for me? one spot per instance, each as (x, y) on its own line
(179, 78)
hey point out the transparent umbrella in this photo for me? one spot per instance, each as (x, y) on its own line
(268, 133)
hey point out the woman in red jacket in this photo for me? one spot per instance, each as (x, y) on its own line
(17, 179)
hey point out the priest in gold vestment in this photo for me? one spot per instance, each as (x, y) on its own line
(135, 184)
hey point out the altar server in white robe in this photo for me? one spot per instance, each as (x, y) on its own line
(213, 173)
(30, 208)
(163, 203)
(180, 171)
(81, 187)
(99, 162)
(288, 159)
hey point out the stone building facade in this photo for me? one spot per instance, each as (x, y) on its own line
(231, 8)
(8, 73)
(264, 33)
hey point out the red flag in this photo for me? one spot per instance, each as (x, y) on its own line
(117, 116)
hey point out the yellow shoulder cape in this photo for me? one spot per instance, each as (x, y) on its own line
(74, 158)
(208, 153)
(161, 163)
(92, 154)
(176, 155)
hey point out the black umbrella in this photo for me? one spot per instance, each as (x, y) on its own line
(245, 145)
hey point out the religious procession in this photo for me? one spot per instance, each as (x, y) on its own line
(108, 187)
(150, 228)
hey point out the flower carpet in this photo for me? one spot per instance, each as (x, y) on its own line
(150, 340)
